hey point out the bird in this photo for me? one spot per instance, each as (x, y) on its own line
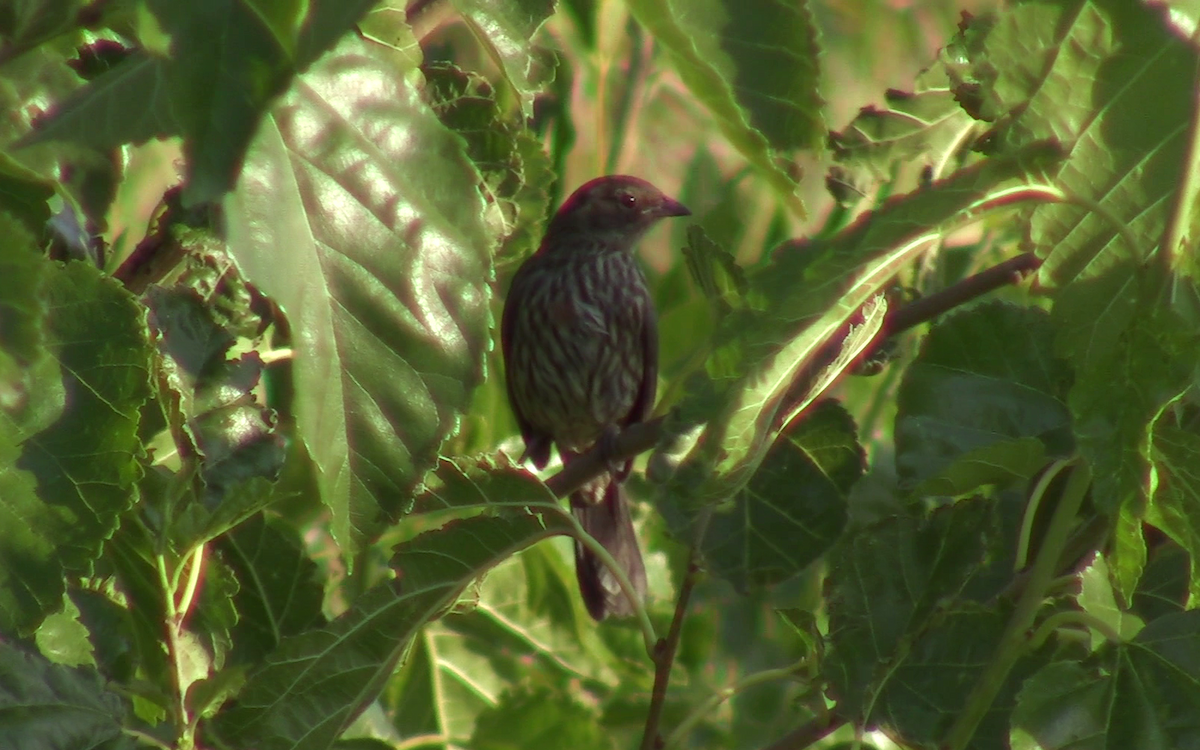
(579, 339)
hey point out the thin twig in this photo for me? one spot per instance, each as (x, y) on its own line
(706, 708)
(664, 657)
(927, 308)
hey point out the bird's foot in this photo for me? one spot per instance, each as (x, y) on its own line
(606, 444)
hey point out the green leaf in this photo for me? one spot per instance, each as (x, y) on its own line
(85, 462)
(526, 621)
(985, 383)
(754, 65)
(385, 282)
(48, 705)
(539, 717)
(886, 583)
(131, 103)
(315, 683)
(63, 638)
(1087, 74)
(1175, 503)
(515, 172)
(1132, 357)
(1060, 689)
(228, 60)
(507, 26)
(771, 362)
(483, 484)
(1097, 598)
(913, 131)
(24, 195)
(794, 508)
(279, 595)
(1144, 693)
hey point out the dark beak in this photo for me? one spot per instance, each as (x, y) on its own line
(672, 207)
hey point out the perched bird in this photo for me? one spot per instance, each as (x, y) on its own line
(579, 336)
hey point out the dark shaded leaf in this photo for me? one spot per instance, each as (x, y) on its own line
(279, 595)
(514, 170)
(1175, 505)
(888, 580)
(985, 381)
(794, 508)
(1132, 356)
(52, 706)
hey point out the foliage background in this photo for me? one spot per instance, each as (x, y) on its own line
(253, 463)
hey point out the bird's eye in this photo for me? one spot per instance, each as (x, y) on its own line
(628, 200)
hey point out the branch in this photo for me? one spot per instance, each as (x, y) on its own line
(639, 438)
(664, 655)
(633, 440)
(1011, 271)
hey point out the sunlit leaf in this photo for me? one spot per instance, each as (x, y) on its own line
(290, 702)
(385, 264)
(83, 464)
(1086, 74)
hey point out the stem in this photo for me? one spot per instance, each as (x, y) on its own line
(706, 708)
(196, 565)
(146, 738)
(173, 649)
(633, 440)
(1170, 250)
(1031, 509)
(1072, 617)
(1013, 641)
(639, 438)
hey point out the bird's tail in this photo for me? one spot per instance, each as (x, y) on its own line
(603, 510)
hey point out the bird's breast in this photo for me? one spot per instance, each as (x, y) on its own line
(576, 356)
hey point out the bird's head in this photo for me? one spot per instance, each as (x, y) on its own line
(618, 208)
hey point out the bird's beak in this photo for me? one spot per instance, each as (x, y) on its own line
(672, 207)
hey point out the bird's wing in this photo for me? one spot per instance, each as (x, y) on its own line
(537, 446)
(643, 404)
